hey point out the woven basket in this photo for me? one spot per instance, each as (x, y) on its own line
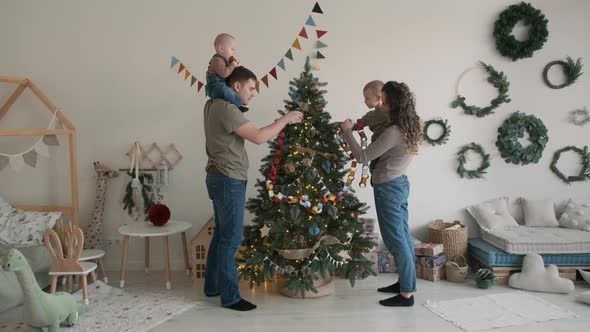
(454, 240)
(456, 270)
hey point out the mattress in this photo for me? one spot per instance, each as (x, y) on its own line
(540, 240)
(496, 257)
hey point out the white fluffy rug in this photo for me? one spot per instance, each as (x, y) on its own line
(112, 309)
(497, 311)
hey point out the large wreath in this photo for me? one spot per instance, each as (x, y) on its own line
(584, 174)
(444, 136)
(462, 159)
(499, 81)
(507, 44)
(513, 128)
(572, 71)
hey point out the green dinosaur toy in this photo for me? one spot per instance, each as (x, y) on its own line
(40, 309)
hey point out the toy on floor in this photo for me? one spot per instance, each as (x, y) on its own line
(40, 309)
(536, 277)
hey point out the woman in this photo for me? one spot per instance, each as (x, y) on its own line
(395, 149)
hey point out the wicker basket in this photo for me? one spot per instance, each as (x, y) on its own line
(456, 270)
(454, 240)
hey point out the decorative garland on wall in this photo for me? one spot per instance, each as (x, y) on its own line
(507, 44)
(584, 174)
(580, 117)
(572, 71)
(183, 70)
(444, 136)
(513, 128)
(498, 80)
(462, 159)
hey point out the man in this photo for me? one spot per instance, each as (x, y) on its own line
(227, 169)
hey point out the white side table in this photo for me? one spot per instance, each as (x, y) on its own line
(147, 230)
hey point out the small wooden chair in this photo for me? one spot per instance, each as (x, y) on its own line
(67, 262)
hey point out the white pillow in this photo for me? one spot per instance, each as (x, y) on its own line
(26, 228)
(576, 216)
(492, 214)
(539, 213)
(584, 297)
(538, 278)
(5, 210)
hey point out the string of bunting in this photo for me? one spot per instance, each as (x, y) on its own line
(29, 156)
(296, 44)
(305, 269)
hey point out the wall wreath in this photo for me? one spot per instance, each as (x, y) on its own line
(462, 159)
(444, 136)
(513, 128)
(584, 174)
(572, 71)
(507, 44)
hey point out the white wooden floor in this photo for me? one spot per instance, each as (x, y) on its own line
(348, 309)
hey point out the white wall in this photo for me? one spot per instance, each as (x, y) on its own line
(106, 64)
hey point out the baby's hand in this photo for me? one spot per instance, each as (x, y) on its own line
(232, 59)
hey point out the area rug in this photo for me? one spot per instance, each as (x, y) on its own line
(497, 311)
(113, 309)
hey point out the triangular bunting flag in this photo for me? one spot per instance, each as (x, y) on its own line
(181, 67)
(320, 55)
(296, 44)
(289, 55)
(317, 9)
(281, 64)
(175, 61)
(309, 22)
(3, 162)
(265, 80)
(321, 45)
(50, 140)
(316, 66)
(42, 149)
(303, 33)
(187, 74)
(193, 80)
(17, 162)
(30, 158)
(257, 86)
(273, 72)
(199, 86)
(320, 33)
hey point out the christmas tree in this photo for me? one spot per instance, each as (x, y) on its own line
(306, 222)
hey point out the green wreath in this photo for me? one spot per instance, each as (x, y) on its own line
(499, 81)
(462, 159)
(443, 138)
(146, 193)
(584, 174)
(571, 69)
(507, 45)
(513, 128)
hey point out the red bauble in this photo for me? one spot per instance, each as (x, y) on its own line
(159, 214)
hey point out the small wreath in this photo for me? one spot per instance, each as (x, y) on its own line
(507, 44)
(513, 128)
(584, 172)
(462, 159)
(580, 117)
(444, 136)
(572, 71)
(499, 81)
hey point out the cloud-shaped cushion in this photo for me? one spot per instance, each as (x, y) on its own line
(536, 277)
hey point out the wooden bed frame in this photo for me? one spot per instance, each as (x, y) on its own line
(69, 131)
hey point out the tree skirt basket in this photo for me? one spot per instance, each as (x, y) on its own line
(453, 236)
(456, 270)
(324, 286)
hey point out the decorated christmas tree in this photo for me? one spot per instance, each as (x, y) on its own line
(306, 224)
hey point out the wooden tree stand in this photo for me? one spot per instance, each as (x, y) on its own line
(503, 272)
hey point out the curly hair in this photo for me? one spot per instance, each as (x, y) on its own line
(402, 109)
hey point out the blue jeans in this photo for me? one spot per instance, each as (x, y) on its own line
(229, 202)
(391, 203)
(218, 88)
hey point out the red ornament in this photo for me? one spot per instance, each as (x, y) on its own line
(277, 161)
(279, 152)
(159, 214)
(281, 142)
(282, 134)
(276, 199)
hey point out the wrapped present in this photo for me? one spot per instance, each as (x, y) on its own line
(431, 261)
(368, 224)
(419, 271)
(433, 273)
(428, 249)
(385, 262)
